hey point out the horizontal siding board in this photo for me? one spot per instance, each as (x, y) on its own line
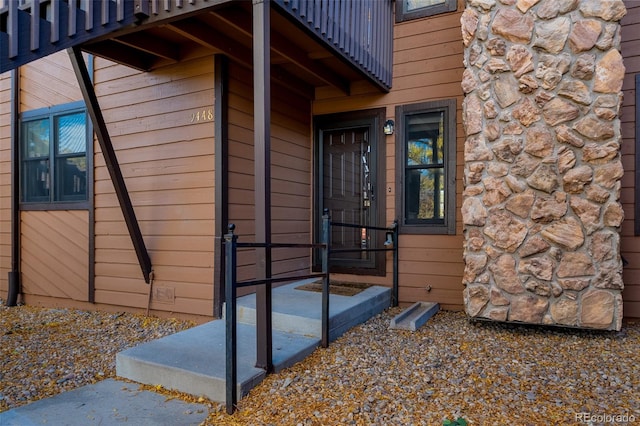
(158, 198)
(631, 309)
(161, 182)
(159, 228)
(147, 152)
(164, 242)
(166, 212)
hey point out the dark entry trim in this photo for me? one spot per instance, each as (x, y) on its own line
(14, 287)
(221, 107)
(93, 108)
(375, 118)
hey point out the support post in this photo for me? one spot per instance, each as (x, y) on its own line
(230, 320)
(221, 69)
(395, 300)
(326, 239)
(262, 176)
(93, 108)
(13, 282)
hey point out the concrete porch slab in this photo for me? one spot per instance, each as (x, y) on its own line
(299, 311)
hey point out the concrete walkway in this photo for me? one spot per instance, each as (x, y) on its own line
(109, 402)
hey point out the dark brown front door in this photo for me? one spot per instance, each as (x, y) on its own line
(350, 172)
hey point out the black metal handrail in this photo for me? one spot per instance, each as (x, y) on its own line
(393, 231)
(232, 284)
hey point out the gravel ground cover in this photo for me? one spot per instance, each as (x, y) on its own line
(47, 351)
(485, 373)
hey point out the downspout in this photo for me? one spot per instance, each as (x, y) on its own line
(14, 273)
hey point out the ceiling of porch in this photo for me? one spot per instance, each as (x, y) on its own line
(298, 60)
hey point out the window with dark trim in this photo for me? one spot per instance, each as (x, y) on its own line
(54, 155)
(415, 9)
(425, 163)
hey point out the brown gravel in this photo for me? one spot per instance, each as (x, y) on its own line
(47, 351)
(486, 373)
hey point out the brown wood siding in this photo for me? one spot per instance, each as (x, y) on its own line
(54, 251)
(290, 174)
(427, 67)
(47, 82)
(166, 152)
(54, 244)
(5, 181)
(630, 244)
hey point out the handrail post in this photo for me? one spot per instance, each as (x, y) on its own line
(230, 318)
(395, 300)
(326, 240)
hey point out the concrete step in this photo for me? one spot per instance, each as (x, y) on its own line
(193, 361)
(414, 316)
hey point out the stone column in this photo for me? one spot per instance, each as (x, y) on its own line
(542, 169)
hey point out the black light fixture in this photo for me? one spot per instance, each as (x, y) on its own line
(388, 127)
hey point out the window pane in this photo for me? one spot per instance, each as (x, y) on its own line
(37, 181)
(425, 194)
(418, 4)
(425, 138)
(72, 131)
(72, 178)
(36, 137)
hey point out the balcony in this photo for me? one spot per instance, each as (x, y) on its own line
(313, 42)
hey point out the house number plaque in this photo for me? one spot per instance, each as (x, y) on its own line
(201, 115)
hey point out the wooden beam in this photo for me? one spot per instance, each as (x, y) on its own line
(149, 44)
(111, 161)
(210, 38)
(262, 177)
(121, 54)
(282, 46)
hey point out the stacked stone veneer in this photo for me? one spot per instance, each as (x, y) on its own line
(542, 169)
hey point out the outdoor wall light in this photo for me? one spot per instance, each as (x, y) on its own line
(388, 127)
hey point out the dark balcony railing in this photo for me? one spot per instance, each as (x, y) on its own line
(32, 29)
(361, 31)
